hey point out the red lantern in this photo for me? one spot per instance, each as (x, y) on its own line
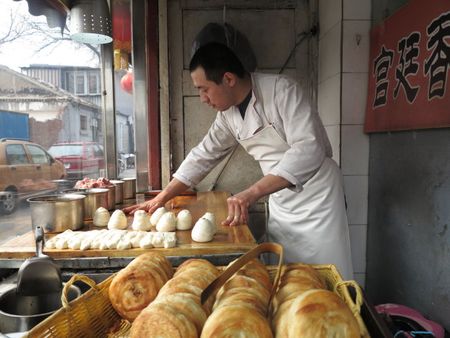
(121, 22)
(126, 82)
(121, 30)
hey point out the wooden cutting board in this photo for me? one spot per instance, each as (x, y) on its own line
(236, 239)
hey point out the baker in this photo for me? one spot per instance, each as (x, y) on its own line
(270, 117)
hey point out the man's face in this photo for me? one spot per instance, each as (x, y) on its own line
(217, 96)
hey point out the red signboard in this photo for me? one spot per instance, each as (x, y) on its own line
(409, 80)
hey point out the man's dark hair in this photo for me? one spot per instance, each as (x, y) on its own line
(216, 59)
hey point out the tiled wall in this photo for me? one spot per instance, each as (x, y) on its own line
(342, 91)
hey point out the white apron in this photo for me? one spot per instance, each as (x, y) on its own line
(311, 225)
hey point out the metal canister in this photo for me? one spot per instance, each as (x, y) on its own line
(129, 188)
(95, 198)
(111, 196)
(57, 213)
(119, 190)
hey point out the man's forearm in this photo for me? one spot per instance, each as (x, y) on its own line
(174, 188)
(267, 185)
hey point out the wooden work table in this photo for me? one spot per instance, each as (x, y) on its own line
(227, 241)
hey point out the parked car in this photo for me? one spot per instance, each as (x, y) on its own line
(26, 169)
(81, 159)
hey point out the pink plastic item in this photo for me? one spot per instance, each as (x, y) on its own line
(407, 312)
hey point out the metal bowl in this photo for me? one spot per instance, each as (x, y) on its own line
(21, 313)
(57, 213)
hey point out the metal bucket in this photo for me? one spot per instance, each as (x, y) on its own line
(95, 198)
(57, 213)
(21, 313)
(129, 188)
(119, 190)
(111, 196)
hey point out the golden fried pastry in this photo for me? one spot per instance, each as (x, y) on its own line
(318, 313)
(236, 321)
(258, 271)
(160, 320)
(293, 288)
(241, 305)
(187, 304)
(177, 311)
(136, 285)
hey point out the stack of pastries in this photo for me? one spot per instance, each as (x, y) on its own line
(302, 307)
(164, 304)
(136, 285)
(177, 312)
(241, 305)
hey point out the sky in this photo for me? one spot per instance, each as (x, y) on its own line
(22, 52)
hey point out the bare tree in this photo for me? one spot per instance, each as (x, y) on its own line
(26, 27)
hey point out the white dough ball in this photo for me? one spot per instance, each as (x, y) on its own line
(101, 217)
(141, 221)
(203, 231)
(157, 215)
(184, 220)
(118, 220)
(167, 222)
(212, 218)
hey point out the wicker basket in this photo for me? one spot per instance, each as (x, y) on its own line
(92, 314)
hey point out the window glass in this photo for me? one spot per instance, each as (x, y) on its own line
(16, 154)
(37, 154)
(83, 122)
(93, 83)
(69, 85)
(51, 96)
(80, 84)
(123, 90)
(60, 150)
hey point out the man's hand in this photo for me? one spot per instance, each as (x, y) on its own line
(238, 204)
(238, 208)
(149, 206)
(174, 188)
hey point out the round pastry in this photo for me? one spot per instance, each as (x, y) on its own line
(187, 304)
(203, 231)
(138, 284)
(320, 313)
(160, 320)
(141, 221)
(236, 321)
(167, 222)
(154, 218)
(184, 220)
(101, 217)
(118, 220)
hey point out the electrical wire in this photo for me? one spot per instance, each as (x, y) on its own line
(302, 37)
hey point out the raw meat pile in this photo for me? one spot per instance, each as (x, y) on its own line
(88, 183)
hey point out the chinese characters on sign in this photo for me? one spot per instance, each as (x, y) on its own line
(409, 69)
